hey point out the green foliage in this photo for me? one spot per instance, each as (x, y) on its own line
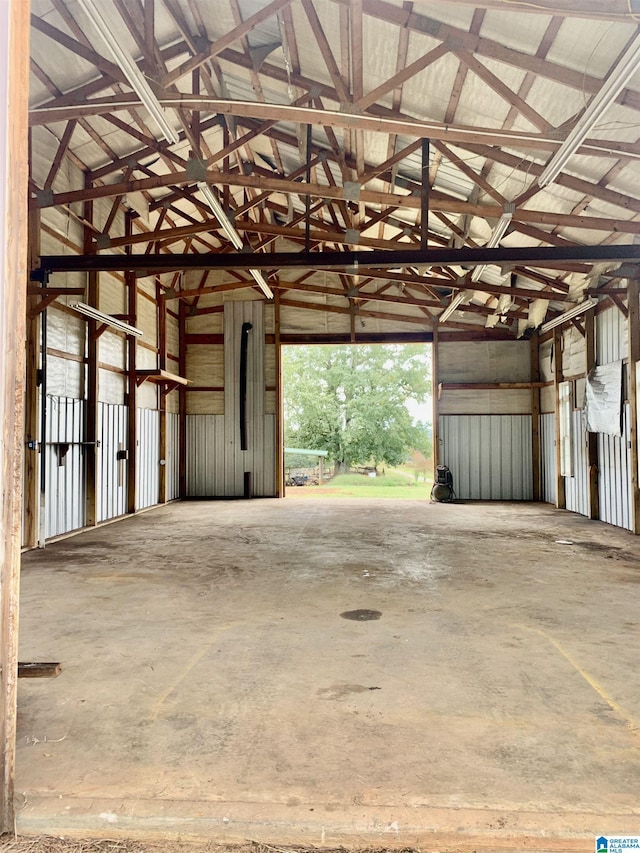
(351, 401)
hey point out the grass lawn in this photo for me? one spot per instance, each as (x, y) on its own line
(393, 484)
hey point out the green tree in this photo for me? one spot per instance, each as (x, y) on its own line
(351, 400)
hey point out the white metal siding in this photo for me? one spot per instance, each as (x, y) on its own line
(548, 458)
(65, 472)
(614, 481)
(147, 458)
(205, 456)
(172, 461)
(112, 473)
(577, 487)
(489, 456)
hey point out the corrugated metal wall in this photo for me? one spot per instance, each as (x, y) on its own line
(65, 466)
(173, 456)
(206, 453)
(614, 483)
(147, 458)
(112, 472)
(548, 458)
(215, 463)
(577, 487)
(489, 456)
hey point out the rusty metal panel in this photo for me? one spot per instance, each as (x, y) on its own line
(147, 458)
(489, 456)
(548, 458)
(65, 466)
(112, 471)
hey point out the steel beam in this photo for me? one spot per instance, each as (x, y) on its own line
(541, 256)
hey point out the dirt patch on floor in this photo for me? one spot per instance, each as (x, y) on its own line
(51, 844)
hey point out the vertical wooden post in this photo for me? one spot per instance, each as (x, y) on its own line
(435, 380)
(33, 449)
(91, 414)
(535, 416)
(561, 501)
(633, 326)
(131, 283)
(182, 369)
(14, 83)
(161, 304)
(592, 437)
(279, 399)
(424, 197)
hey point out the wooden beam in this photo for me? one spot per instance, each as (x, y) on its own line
(132, 390)
(161, 310)
(561, 501)
(592, 437)
(633, 325)
(279, 449)
(438, 201)
(435, 383)
(404, 126)
(14, 181)
(91, 410)
(182, 398)
(33, 447)
(535, 415)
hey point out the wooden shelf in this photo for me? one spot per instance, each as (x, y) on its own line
(170, 381)
(488, 386)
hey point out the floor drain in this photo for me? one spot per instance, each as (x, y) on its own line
(361, 615)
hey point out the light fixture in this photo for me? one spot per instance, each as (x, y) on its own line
(262, 283)
(568, 315)
(452, 306)
(218, 211)
(136, 79)
(107, 319)
(598, 106)
(496, 235)
(230, 231)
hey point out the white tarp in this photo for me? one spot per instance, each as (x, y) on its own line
(603, 399)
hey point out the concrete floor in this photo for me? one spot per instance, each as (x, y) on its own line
(212, 688)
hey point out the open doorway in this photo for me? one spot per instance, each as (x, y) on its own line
(357, 420)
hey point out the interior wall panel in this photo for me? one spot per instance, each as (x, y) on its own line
(548, 458)
(489, 456)
(577, 487)
(112, 472)
(614, 480)
(205, 456)
(147, 458)
(172, 460)
(65, 466)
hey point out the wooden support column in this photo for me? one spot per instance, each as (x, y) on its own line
(424, 196)
(33, 448)
(162, 364)
(91, 413)
(182, 444)
(131, 284)
(535, 415)
(592, 437)
(561, 501)
(14, 83)
(435, 381)
(633, 328)
(280, 490)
